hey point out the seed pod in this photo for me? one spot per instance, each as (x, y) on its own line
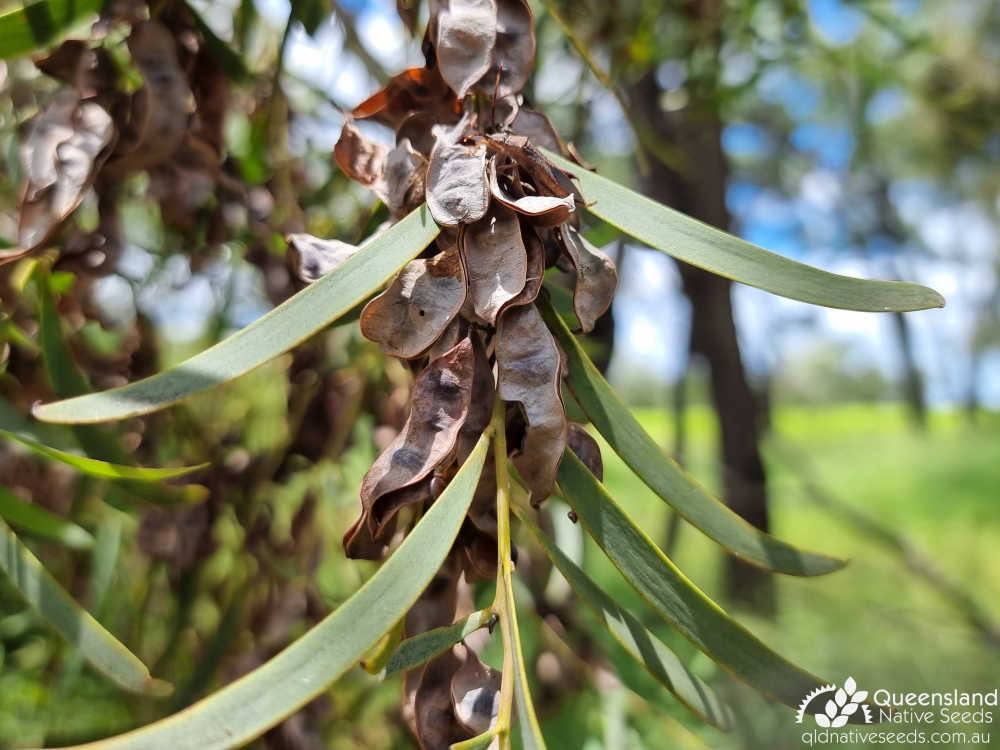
(417, 307)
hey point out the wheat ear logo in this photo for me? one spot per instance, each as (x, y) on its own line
(833, 707)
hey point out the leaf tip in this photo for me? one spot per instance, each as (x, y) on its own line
(157, 688)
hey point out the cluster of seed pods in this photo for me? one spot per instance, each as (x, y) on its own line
(462, 313)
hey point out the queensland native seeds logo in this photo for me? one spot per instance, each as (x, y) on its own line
(833, 707)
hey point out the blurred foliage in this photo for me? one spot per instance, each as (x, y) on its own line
(205, 592)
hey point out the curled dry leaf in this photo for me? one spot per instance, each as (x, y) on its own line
(583, 444)
(437, 727)
(475, 694)
(543, 210)
(496, 261)
(61, 156)
(514, 50)
(312, 257)
(466, 32)
(417, 307)
(529, 365)
(457, 189)
(596, 278)
(413, 90)
(160, 109)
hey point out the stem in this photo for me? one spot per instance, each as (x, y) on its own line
(503, 599)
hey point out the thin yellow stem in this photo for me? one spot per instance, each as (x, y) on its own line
(505, 567)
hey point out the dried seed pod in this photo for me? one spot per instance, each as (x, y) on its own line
(440, 403)
(417, 307)
(536, 268)
(465, 34)
(439, 604)
(538, 129)
(483, 510)
(586, 449)
(161, 109)
(65, 147)
(475, 694)
(395, 175)
(360, 158)
(385, 508)
(481, 402)
(542, 210)
(402, 184)
(437, 727)
(496, 260)
(547, 178)
(457, 188)
(513, 51)
(529, 365)
(417, 128)
(312, 258)
(596, 278)
(478, 553)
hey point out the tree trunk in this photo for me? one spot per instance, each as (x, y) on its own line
(696, 132)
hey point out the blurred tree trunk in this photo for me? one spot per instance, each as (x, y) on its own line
(696, 133)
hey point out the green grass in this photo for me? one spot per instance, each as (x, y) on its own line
(874, 620)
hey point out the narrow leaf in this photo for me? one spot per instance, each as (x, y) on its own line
(103, 469)
(662, 474)
(69, 380)
(43, 523)
(641, 644)
(244, 709)
(673, 596)
(287, 325)
(529, 730)
(72, 621)
(33, 25)
(700, 245)
(418, 649)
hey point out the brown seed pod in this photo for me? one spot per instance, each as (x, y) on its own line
(513, 54)
(542, 210)
(465, 32)
(496, 260)
(440, 404)
(586, 449)
(415, 310)
(457, 188)
(65, 147)
(475, 694)
(312, 258)
(596, 277)
(529, 366)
